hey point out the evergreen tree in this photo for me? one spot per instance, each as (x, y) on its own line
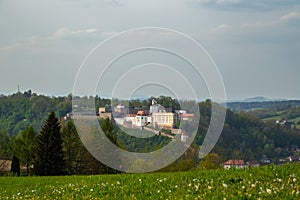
(49, 159)
(73, 148)
(15, 165)
(23, 146)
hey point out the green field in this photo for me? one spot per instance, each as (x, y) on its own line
(256, 183)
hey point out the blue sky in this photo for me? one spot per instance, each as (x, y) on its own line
(255, 44)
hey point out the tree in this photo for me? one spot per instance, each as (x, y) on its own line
(49, 159)
(211, 161)
(5, 152)
(73, 148)
(23, 146)
(15, 166)
(107, 127)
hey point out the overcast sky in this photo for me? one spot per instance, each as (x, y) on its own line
(254, 43)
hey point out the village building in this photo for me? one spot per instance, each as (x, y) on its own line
(253, 163)
(238, 164)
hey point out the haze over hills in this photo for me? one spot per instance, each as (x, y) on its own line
(257, 99)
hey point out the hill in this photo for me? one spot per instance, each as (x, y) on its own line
(20, 110)
(257, 99)
(255, 105)
(244, 136)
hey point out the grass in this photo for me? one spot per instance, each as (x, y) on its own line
(270, 182)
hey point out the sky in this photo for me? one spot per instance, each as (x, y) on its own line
(254, 44)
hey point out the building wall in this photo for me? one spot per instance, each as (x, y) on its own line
(141, 120)
(163, 119)
(105, 115)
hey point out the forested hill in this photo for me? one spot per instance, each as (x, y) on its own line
(21, 110)
(244, 136)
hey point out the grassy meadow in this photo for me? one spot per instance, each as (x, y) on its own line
(271, 182)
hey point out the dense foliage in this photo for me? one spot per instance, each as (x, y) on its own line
(22, 110)
(245, 135)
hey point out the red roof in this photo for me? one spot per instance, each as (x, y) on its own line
(234, 162)
(187, 115)
(141, 113)
(130, 115)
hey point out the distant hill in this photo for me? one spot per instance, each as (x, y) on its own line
(254, 105)
(257, 99)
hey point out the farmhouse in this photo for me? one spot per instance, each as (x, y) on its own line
(239, 164)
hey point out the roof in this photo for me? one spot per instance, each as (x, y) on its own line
(253, 162)
(130, 115)
(141, 113)
(235, 162)
(5, 165)
(187, 115)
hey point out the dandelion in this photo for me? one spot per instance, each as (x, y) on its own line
(176, 186)
(209, 187)
(140, 180)
(225, 185)
(269, 191)
(118, 183)
(158, 191)
(91, 190)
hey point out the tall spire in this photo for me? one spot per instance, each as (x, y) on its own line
(18, 88)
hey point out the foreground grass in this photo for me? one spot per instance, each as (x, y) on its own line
(257, 183)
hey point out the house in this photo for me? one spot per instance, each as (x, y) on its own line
(293, 158)
(5, 166)
(105, 115)
(187, 117)
(141, 119)
(287, 123)
(156, 108)
(238, 164)
(253, 163)
(120, 108)
(184, 137)
(160, 119)
(265, 160)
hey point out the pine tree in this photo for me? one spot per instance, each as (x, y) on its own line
(49, 159)
(73, 148)
(15, 165)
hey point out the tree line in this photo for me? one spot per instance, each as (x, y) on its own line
(244, 136)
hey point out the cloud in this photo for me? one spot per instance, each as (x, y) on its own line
(42, 43)
(275, 23)
(65, 32)
(243, 5)
(290, 16)
(221, 27)
(109, 33)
